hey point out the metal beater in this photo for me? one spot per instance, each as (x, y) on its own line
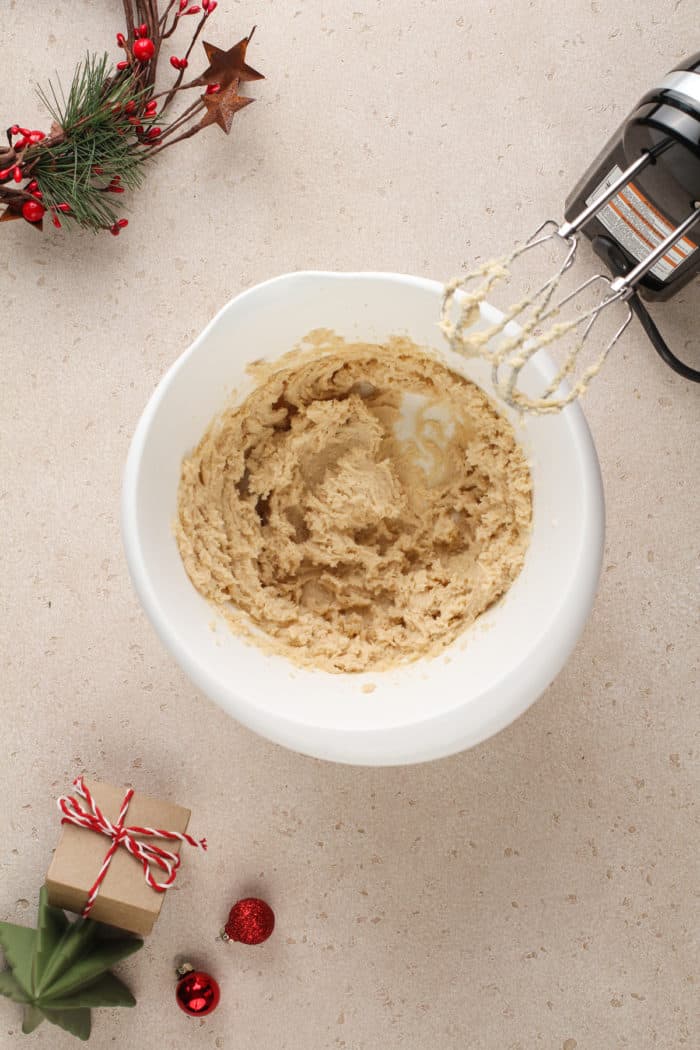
(638, 203)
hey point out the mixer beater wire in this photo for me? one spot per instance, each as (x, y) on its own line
(537, 321)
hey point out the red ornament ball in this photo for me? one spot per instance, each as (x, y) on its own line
(32, 211)
(144, 49)
(198, 994)
(250, 921)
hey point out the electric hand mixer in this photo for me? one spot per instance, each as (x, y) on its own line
(639, 204)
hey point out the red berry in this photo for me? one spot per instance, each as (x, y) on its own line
(114, 230)
(122, 65)
(151, 108)
(212, 7)
(56, 222)
(121, 39)
(194, 10)
(213, 89)
(32, 211)
(143, 29)
(36, 136)
(25, 131)
(144, 49)
(183, 4)
(14, 129)
(63, 207)
(122, 223)
(33, 185)
(17, 173)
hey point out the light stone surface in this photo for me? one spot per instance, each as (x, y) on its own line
(538, 891)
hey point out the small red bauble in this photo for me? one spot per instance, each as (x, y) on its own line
(250, 921)
(33, 211)
(197, 993)
(144, 49)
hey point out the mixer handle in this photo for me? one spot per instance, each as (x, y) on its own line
(619, 266)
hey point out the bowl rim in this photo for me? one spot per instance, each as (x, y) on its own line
(497, 707)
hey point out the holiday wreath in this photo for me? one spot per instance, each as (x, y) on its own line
(112, 121)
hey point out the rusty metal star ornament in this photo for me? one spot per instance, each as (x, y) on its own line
(11, 212)
(226, 66)
(223, 106)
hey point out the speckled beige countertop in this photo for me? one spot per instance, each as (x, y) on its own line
(536, 892)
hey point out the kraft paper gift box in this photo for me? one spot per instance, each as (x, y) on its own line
(125, 899)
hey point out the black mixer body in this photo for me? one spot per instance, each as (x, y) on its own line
(666, 124)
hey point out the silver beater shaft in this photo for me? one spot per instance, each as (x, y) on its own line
(567, 229)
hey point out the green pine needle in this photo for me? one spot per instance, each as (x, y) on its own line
(95, 143)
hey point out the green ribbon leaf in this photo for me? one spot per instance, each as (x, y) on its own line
(90, 968)
(73, 946)
(18, 943)
(33, 1017)
(60, 970)
(51, 926)
(107, 990)
(11, 988)
(77, 1022)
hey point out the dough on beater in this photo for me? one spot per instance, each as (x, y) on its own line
(360, 508)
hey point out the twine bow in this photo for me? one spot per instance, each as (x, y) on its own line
(150, 855)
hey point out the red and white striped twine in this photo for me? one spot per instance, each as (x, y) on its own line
(150, 855)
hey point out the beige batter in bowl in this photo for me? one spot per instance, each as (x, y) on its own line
(359, 509)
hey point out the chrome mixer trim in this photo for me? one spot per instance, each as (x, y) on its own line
(684, 81)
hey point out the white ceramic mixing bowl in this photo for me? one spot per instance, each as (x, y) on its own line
(421, 711)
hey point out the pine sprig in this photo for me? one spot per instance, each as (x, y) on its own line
(92, 144)
(88, 90)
